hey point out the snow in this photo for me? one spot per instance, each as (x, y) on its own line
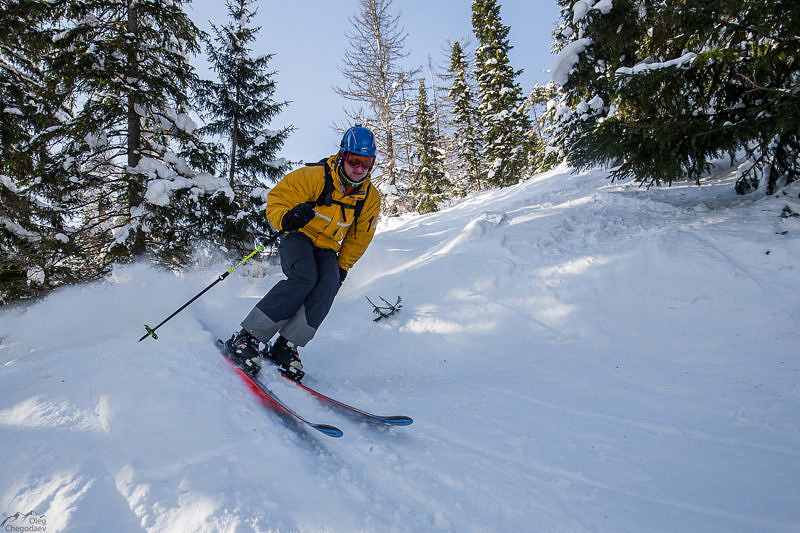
(638, 68)
(164, 180)
(19, 231)
(8, 183)
(582, 8)
(579, 10)
(96, 140)
(185, 123)
(596, 104)
(566, 60)
(209, 183)
(577, 355)
(604, 6)
(36, 275)
(281, 162)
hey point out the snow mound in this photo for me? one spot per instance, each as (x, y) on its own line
(577, 355)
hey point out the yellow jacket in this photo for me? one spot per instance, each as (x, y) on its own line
(333, 227)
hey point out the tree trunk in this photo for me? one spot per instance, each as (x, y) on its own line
(234, 145)
(135, 182)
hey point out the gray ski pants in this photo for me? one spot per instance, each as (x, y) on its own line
(297, 305)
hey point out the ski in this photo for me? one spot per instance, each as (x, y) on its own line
(266, 395)
(392, 420)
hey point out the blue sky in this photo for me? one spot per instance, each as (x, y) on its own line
(308, 41)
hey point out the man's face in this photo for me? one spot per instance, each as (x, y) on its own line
(357, 166)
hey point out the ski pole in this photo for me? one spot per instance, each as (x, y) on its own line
(151, 332)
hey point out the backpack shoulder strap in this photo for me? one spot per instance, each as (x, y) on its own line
(326, 197)
(360, 205)
(361, 202)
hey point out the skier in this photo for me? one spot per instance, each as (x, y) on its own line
(328, 212)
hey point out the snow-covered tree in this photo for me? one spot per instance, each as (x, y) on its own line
(430, 183)
(37, 252)
(660, 89)
(377, 83)
(126, 65)
(545, 154)
(506, 126)
(467, 139)
(240, 106)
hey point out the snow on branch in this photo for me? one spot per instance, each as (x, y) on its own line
(164, 179)
(582, 8)
(638, 68)
(8, 183)
(566, 60)
(19, 231)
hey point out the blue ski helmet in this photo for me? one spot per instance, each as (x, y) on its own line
(358, 140)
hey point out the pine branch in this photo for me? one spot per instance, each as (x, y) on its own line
(387, 310)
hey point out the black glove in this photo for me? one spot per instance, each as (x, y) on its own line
(297, 217)
(342, 275)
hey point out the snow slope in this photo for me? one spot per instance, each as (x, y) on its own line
(578, 355)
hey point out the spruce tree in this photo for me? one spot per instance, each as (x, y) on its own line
(126, 65)
(544, 155)
(661, 89)
(505, 126)
(240, 107)
(430, 183)
(37, 251)
(466, 121)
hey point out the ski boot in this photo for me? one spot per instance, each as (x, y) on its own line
(286, 356)
(243, 350)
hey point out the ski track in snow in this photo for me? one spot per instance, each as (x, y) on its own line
(577, 355)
